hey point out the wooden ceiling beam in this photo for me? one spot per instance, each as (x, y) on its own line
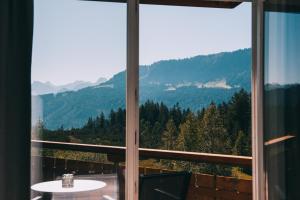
(191, 3)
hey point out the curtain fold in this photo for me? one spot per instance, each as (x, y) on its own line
(16, 28)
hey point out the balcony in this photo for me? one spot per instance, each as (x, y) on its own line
(201, 187)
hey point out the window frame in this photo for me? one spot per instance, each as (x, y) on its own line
(132, 97)
(132, 92)
(258, 170)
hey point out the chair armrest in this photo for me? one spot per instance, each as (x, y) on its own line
(167, 194)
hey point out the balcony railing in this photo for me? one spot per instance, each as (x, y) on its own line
(202, 186)
(148, 153)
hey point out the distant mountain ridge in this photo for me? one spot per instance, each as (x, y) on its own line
(39, 88)
(192, 82)
(232, 67)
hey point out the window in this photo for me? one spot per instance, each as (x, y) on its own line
(194, 94)
(195, 86)
(78, 96)
(281, 98)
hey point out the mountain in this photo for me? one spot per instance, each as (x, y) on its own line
(231, 67)
(39, 88)
(191, 82)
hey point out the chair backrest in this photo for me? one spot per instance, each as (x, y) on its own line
(165, 186)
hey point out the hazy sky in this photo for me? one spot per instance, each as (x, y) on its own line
(80, 40)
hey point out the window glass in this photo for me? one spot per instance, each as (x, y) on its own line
(195, 69)
(282, 98)
(78, 97)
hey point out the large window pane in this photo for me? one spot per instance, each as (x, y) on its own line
(194, 93)
(282, 98)
(78, 96)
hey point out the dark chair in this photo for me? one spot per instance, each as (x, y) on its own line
(165, 186)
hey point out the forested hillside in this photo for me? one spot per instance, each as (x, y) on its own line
(219, 128)
(191, 82)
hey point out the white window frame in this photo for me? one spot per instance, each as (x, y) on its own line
(257, 78)
(132, 102)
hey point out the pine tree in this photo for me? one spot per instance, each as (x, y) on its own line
(188, 137)
(145, 134)
(242, 145)
(214, 137)
(155, 139)
(239, 114)
(169, 135)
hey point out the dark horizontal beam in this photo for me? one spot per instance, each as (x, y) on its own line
(284, 7)
(148, 153)
(191, 3)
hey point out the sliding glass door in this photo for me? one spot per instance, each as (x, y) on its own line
(78, 99)
(194, 99)
(195, 86)
(282, 98)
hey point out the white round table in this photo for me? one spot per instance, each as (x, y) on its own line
(80, 186)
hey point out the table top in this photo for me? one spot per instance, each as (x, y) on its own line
(79, 186)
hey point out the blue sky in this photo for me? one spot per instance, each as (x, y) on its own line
(79, 40)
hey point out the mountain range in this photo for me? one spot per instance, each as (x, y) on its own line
(191, 82)
(39, 88)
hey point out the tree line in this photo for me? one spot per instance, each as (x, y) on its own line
(223, 128)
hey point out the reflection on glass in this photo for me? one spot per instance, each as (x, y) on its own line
(78, 96)
(282, 100)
